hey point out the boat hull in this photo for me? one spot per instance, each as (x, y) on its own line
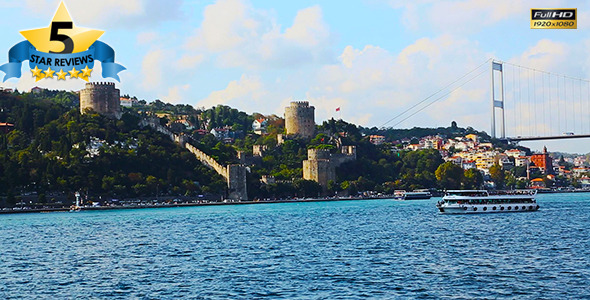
(487, 208)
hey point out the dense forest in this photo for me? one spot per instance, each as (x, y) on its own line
(55, 151)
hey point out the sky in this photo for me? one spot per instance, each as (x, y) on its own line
(373, 59)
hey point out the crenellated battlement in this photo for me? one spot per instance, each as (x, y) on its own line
(301, 103)
(100, 84)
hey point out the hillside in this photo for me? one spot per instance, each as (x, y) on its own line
(54, 151)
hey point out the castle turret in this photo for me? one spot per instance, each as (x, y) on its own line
(318, 168)
(102, 98)
(299, 119)
(321, 165)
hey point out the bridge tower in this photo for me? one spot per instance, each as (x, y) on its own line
(497, 103)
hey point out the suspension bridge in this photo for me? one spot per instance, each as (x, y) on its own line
(526, 104)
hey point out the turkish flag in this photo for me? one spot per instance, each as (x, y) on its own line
(337, 108)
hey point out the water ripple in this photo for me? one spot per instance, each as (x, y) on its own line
(338, 250)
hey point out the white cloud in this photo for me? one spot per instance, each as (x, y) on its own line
(177, 94)
(152, 69)
(309, 29)
(242, 36)
(247, 93)
(226, 24)
(464, 16)
(372, 85)
(189, 61)
(546, 55)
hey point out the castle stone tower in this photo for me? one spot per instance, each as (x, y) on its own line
(102, 98)
(318, 168)
(299, 119)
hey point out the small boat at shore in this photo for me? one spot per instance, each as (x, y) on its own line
(481, 201)
(415, 195)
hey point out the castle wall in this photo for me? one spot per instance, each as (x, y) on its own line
(102, 98)
(300, 119)
(258, 150)
(235, 175)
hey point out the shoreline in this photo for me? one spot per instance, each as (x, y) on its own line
(97, 208)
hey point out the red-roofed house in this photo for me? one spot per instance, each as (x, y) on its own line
(538, 183)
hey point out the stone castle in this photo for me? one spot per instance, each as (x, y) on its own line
(320, 165)
(102, 98)
(299, 119)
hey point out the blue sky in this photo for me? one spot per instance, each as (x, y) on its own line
(372, 58)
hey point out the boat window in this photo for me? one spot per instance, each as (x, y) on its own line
(467, 193)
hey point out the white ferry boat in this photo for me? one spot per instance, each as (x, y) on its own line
(477, 201)
(415, 195)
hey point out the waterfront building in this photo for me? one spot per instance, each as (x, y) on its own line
(538, 183)
(543, 161)
(580, 171)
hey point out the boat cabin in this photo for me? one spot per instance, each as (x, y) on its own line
(466, 193)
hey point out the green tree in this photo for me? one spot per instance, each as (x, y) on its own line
(449, 176)
(472, 179)
(497, 175)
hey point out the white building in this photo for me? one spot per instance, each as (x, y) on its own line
(127, 102)
(515, 153)
(259, 126)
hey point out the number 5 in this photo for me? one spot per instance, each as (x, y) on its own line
(66, 40)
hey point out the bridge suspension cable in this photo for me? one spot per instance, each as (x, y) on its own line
(432, 95)
(554, 104)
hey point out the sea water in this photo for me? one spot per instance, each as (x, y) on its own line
(383, 249)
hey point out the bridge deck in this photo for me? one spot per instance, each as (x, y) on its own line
(540, 138)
